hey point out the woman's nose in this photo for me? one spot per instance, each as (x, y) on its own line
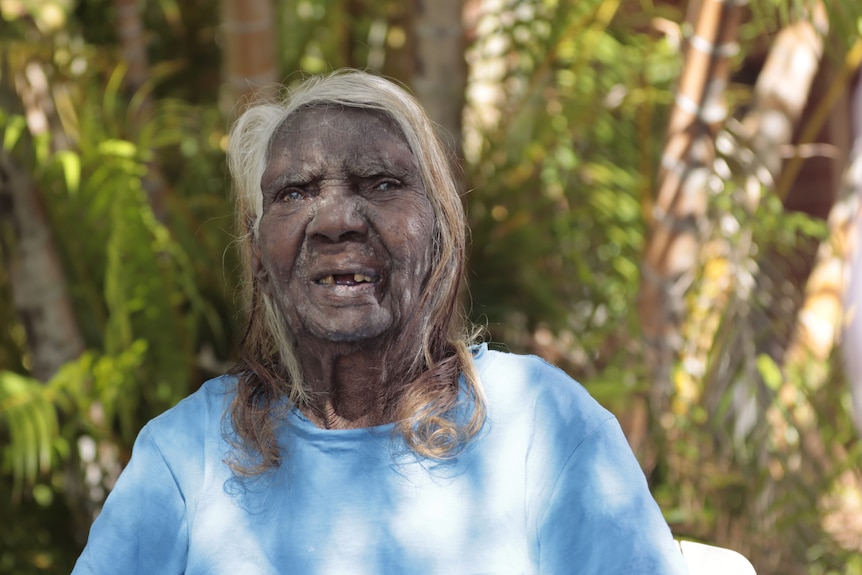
(337, 216)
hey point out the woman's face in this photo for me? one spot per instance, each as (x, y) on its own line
(345, 239)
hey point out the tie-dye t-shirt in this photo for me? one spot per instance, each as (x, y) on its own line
(548, 486)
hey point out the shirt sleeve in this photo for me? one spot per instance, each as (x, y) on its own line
(601, 518)
(142, 527)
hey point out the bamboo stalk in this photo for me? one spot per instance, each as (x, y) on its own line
(674, 229)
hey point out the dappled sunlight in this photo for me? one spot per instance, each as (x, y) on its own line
(615, 494)
(843, 511)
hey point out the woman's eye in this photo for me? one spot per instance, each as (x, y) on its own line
(290, 195)
(387, 185)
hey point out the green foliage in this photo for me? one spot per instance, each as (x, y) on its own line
(32, 425)
(557, 189)
(37, 536)
(746, 459)
(323, 35)
(155, 309)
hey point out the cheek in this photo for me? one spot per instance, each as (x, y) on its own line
(418, 242)
(278, 250)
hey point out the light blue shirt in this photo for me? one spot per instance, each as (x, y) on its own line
(548, 486)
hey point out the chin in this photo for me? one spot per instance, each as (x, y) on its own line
(348, 336)
(355, 330)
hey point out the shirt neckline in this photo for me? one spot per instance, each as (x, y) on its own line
(304, 426)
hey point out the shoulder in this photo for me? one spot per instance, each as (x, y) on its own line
(187, 442)
(516, 384)
(194, 421)
(212, 397)
(520, 369)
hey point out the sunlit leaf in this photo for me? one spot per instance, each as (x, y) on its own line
(71, 163)
(770, 371)
(120, 148)
(32, 423)
(13, 127)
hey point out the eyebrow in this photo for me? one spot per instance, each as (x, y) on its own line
(395, 169)
(368, 169)
(285, 179)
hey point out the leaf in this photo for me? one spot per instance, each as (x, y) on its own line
(769, 371)
(33, 426)
(71, 164)
(118, 148)
(15, 126)
(111, 96)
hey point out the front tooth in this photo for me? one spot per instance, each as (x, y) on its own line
(328, 280)
(361, 278)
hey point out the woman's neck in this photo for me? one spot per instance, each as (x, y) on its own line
(348, 387)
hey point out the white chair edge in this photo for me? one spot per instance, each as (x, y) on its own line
(703, 559)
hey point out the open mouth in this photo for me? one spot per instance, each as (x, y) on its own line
(346, 279)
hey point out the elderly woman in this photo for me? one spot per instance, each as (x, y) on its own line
(362, 432)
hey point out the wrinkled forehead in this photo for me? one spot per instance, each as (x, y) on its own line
(318, 142)
(311, 120)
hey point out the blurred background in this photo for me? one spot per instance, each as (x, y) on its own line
(663, 197)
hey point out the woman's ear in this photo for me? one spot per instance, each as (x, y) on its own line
(258, 270)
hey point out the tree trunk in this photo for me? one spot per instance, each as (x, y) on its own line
(133, 46)
(35, 274)
(824, 187)
(781, 96)
(852, 324)
(399, 59)
(781, 92)
(674, 234)
(251, 69)
(440, 74)
(36, 279)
